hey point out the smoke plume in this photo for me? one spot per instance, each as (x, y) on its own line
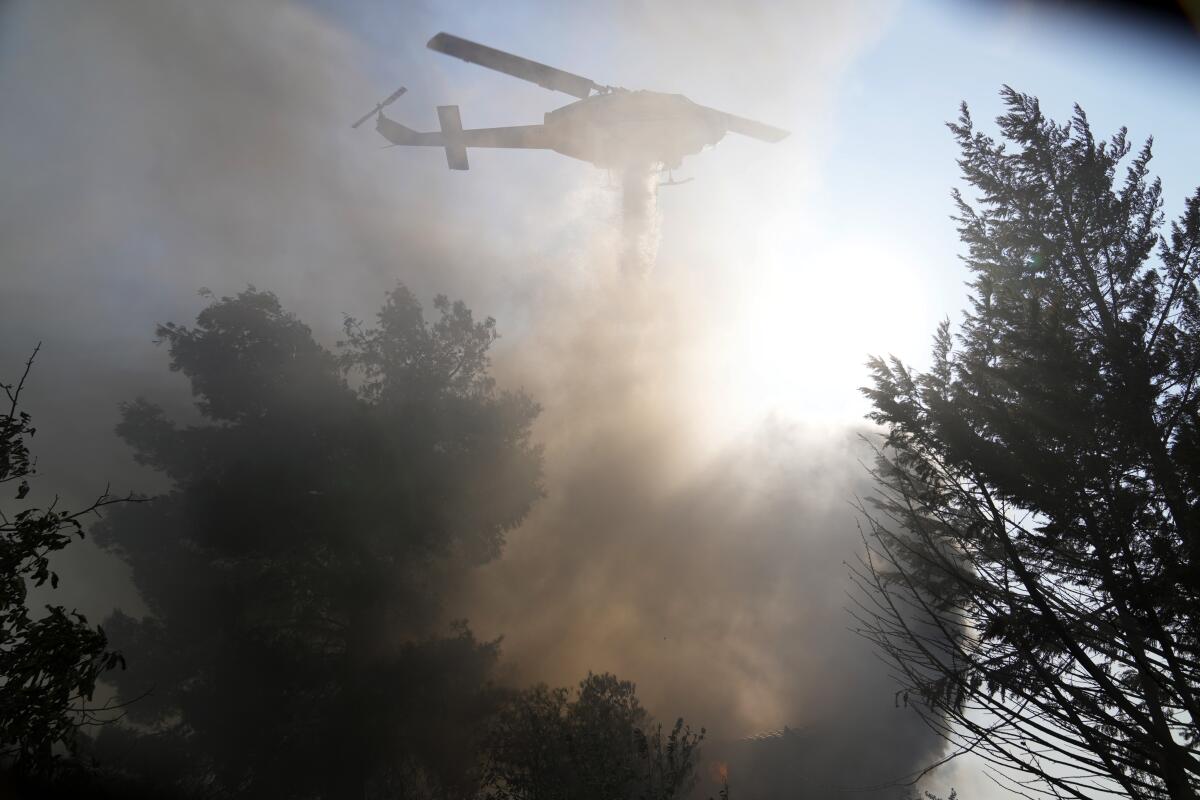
(713, 579)
(170, 146)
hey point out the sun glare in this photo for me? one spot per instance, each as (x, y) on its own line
(807, 325)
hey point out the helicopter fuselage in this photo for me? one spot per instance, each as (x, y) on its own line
(622, 128)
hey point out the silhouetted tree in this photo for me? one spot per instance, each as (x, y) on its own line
(49, 664)
(1033, 565)
(293, 572)
(599, 745)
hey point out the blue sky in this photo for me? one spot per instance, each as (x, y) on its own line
(893, 159)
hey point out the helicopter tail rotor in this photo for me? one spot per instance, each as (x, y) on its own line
(393, 97)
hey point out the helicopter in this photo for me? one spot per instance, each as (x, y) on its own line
(608, 126)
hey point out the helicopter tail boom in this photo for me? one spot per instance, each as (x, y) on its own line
(455, 141)
(396, 133)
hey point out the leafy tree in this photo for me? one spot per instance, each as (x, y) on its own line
(293, 571)
(48, 665)
(1033, 563)
(599, 745)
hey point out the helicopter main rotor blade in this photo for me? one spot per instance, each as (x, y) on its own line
(753, 129)
(545, 76)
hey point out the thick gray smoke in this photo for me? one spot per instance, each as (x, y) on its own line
(714, 580)
(164, 147)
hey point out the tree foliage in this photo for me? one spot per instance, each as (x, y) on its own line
(599, 744)
(1033, 563)
(49, 665)
(293, 572)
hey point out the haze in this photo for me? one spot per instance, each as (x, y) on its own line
(700, 418)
